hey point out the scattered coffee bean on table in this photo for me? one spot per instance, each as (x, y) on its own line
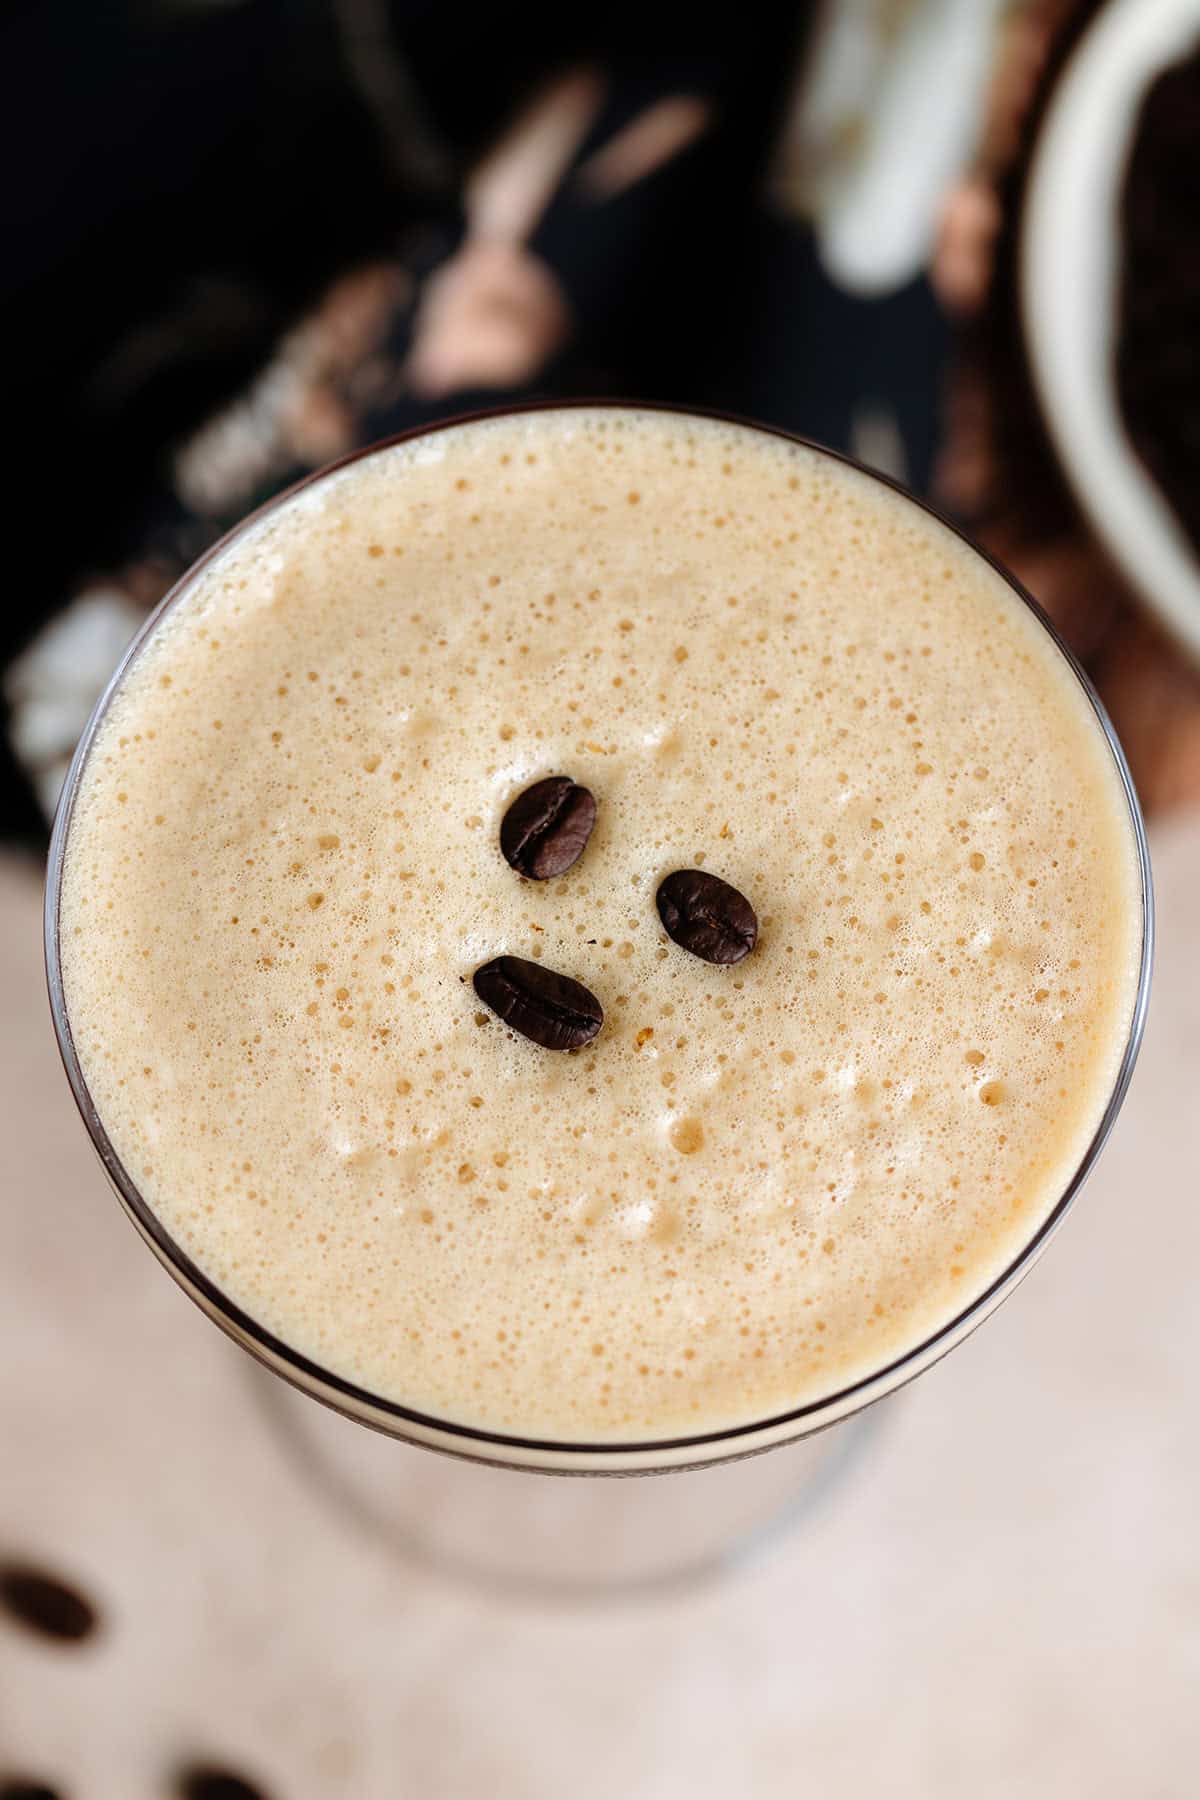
(208, 1782)
(705, 915)
(39, 1601)
(552, 1009)
(546, 829)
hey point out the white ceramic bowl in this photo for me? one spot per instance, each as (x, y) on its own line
(1070, 269)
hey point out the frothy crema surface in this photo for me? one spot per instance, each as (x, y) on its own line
(758, 1183)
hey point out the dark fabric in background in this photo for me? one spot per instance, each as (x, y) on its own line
(185, 179)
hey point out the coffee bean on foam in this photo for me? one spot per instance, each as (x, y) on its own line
(551, 1009)
(705, 915)
(545, 830)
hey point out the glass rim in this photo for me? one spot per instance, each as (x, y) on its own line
(360, 1403)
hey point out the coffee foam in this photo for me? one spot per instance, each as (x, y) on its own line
(759, 1183)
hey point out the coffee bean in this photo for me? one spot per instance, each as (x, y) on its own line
(42, 1603)
(546, 828)
(207, 1782)
(553, 1010)
(706, 916)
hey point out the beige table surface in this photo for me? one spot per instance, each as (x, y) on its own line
(1003, 1598)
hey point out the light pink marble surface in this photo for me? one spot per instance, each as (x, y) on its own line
(1003, 1598)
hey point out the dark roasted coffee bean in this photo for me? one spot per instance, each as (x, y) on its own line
(547, 827)
(553, 1010)
(42, 1603)
(210, 1783)
(706, 916)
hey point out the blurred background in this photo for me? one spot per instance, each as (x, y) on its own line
(957, 238)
